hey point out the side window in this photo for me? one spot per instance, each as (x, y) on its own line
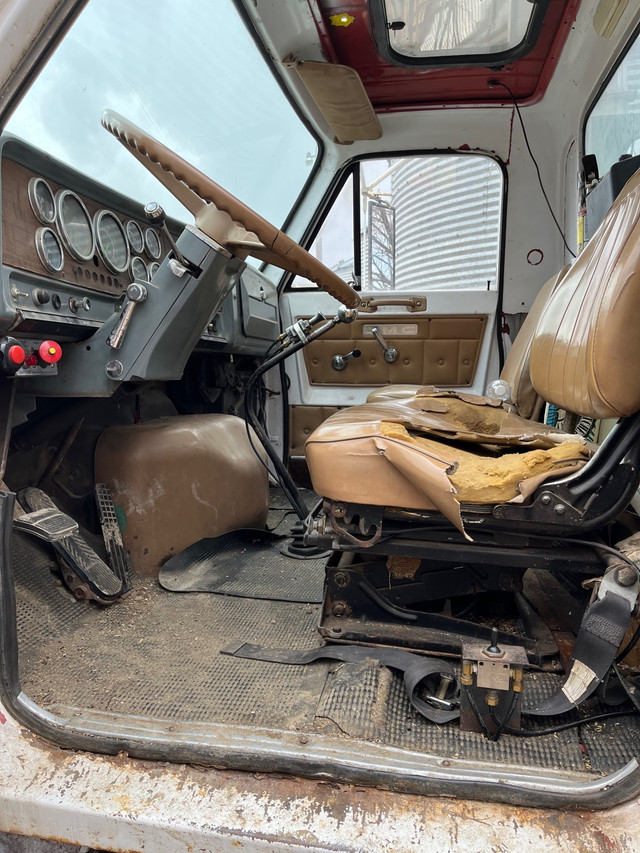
(334, 242)
(423, 223)
(613, 127)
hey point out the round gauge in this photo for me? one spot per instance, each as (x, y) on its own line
(135, 237)
(41, 201)
(152, 243)
(74, 224)
(112, 241)
(49, 249)
(138, 269)
(153, 269)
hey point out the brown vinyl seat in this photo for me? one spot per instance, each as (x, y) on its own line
(438, 450)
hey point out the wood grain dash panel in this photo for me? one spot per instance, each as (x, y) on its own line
(19, 226)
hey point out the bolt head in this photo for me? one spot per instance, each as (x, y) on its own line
(114, 369)
(625, 576)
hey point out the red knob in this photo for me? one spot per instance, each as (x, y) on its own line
(16, 354)
(50, 352)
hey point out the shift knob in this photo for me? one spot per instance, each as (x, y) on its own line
(155, 214)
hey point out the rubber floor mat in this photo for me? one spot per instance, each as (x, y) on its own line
(245, 563)
(157, 654)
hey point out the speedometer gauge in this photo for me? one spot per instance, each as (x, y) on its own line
(74, 224)
(134, 236)
(112, 241)
(152, 244)
(41, 200)
(49, 250)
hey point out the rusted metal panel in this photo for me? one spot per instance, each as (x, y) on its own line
(122, 804)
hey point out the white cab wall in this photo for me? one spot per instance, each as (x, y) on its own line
(553, 127)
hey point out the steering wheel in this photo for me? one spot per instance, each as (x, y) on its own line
(220, 215)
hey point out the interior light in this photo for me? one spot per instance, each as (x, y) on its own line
(342, 19)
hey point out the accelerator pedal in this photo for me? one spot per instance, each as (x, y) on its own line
(118, 557)
(86, 575)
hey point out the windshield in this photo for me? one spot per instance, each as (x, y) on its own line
(188, 73)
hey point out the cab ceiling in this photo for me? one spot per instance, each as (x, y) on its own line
(391, 87)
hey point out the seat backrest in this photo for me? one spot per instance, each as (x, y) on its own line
(516, 366)
(516, 371)
(585, 355)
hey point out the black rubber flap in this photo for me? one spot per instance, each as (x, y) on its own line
(416, 668)
(246, 563)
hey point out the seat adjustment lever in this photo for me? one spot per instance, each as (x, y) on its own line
(390, 353)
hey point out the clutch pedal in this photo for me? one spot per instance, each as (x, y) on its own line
(84, 572)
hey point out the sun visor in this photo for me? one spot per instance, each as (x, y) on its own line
(341, 98)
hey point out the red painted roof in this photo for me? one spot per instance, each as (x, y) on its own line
(391, 87)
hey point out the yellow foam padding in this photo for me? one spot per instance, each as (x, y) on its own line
(480, 478)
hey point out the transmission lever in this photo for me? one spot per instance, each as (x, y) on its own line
(157, 217)
(135, 294)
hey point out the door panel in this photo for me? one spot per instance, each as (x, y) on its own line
(432, 350)
(302, 422)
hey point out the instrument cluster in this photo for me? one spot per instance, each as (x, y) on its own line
(124, 246)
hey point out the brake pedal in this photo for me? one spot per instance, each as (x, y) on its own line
(86, 575)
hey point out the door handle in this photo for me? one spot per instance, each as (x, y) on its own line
(369, 304)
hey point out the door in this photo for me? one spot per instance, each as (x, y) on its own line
(420, 237)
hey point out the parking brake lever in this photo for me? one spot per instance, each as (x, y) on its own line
(390, 353)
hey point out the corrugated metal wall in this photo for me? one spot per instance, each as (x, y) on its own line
(447, 215)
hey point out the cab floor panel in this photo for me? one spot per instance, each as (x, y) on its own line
(370, 702)
(157, 654)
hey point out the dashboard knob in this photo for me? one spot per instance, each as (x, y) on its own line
(12, 355)
(49, 352)
(40, 296)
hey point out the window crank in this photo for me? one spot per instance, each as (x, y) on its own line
(339, 362)
(135, 294)
(390, 353)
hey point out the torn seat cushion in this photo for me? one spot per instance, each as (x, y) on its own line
(435, 452)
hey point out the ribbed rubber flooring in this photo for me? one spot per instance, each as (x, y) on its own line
(245, 565)
(157, 654)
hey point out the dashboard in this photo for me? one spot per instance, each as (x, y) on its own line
(71, 247)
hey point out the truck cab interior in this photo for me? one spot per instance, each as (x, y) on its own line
(320, 418)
